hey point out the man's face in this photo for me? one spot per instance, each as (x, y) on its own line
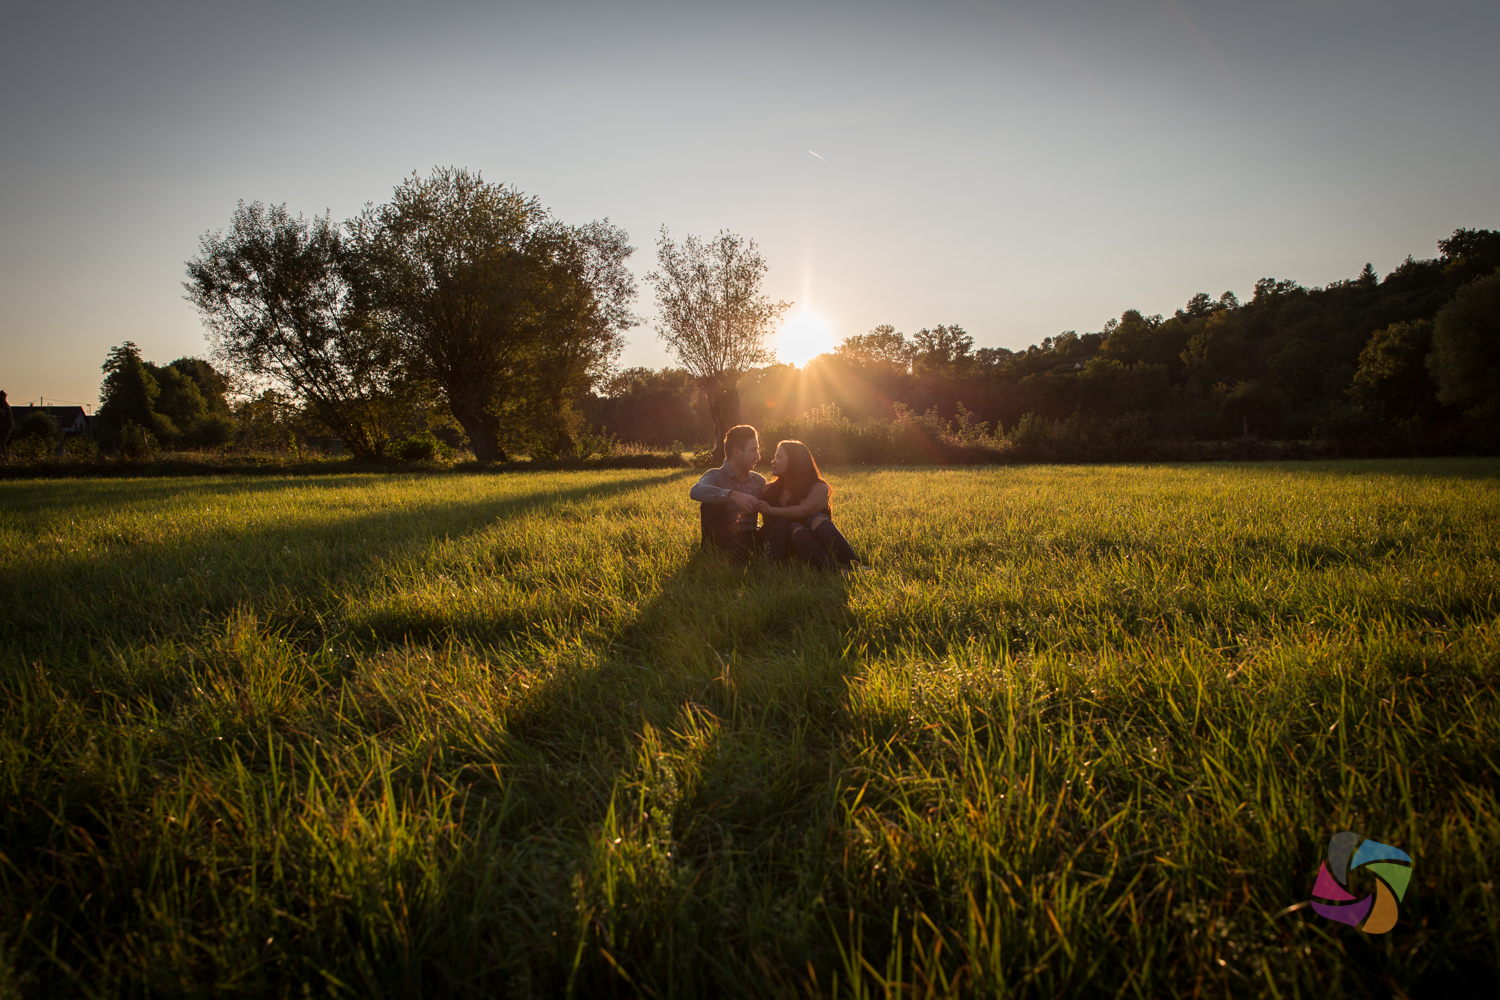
(746, 457)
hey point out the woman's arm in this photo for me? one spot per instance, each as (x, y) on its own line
(816, 500)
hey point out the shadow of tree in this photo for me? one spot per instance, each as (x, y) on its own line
(140, 589)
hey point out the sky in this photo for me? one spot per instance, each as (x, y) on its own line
(1018, 169)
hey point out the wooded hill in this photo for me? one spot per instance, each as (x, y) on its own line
(1415, 353)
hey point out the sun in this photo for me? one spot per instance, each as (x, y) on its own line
(802, 338)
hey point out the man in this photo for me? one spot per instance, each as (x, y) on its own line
(730, 495)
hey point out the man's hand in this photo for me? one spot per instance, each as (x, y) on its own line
(744, 501)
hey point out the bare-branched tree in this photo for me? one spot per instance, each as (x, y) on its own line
(711, 312)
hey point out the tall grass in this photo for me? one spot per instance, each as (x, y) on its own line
(1080, 730)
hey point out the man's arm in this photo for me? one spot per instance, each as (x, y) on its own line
(706, 489)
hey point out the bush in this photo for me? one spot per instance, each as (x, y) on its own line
(1342, 422)
(163, 429)
(35, 437)
(37, 426)
(590, 445)
(910, 439)
(80, 448)
(419, 448)
(212, 430)
(136, 442)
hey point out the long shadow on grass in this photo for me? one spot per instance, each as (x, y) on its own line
(702, 736)
(731, 640)
(57, 605)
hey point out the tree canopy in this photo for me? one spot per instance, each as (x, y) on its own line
(503, 308)
(714, 316)
(456, 291)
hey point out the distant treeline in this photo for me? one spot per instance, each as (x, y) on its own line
(1404, 364)
(1412, 357)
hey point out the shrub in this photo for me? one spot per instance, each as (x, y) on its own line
(590, 445)
(212, 430)
(37, 425)
(419, 448)
(35, 437)
(163, 429)
(80, 448)
(136, 442)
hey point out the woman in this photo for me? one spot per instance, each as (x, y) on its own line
(798, 520)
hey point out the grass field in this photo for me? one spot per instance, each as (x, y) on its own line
(1080, 730)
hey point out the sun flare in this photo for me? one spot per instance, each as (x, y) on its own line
(802, 338)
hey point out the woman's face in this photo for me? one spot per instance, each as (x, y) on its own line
(779, 463)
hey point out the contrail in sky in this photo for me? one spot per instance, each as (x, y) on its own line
(823, 158)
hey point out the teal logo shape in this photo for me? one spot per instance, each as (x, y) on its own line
(1375, 913)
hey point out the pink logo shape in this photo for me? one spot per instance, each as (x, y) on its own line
(1326, 887)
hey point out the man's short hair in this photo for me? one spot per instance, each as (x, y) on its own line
(737, 438)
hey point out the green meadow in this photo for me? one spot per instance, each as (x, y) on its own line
(1077, 731)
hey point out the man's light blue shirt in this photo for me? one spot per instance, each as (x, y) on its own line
(717, 484)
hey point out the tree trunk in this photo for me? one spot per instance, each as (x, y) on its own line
(724, 406)
(482, 426)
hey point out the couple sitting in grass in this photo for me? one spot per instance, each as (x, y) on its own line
(798, 524)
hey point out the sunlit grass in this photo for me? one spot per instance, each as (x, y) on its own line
(1079, 730)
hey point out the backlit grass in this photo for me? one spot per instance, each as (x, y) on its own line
(1080, 730)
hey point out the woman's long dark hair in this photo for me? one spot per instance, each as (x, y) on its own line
(791, 487)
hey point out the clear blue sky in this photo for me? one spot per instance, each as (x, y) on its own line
(1019, 169)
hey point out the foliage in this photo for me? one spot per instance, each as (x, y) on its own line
(129, 390)
(287, 303)
(474, 279)
(651, 407)
(1287, 364)
(213, 385)
(1392, 378)
(713, 315)
(213, 430)
(179, 399)
(270, 421)
(1081, 731)
(80, 448)
(38, 426)
(1465, 357)
(419, 448)
(35, 436)
(881, 348)
(136, 442)
(579, 352)
(601, 444)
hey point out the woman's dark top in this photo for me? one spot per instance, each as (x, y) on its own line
(778, 499)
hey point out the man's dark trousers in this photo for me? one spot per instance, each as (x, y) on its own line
(720, 531)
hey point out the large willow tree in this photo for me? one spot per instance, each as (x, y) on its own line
(503, 308)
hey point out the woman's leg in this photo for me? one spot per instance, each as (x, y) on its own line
(805, 547)
(832, 540)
